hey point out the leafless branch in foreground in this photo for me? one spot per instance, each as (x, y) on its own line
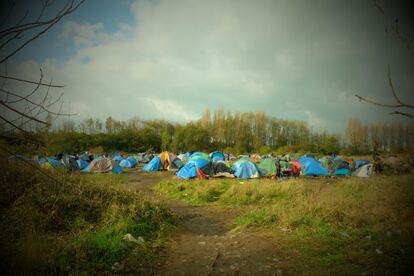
(21, 110)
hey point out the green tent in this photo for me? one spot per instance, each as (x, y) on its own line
(267, 167)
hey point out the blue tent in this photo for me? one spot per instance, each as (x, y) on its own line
(82, 164)
(244, 168)
(360, 163)
(54, 162)
(311, 166)
(117, 158)
(343, 171)
(198, 160)
(201, 159)
(217, 156)
(154, 165)
(129, 162)
(188, 171)
(117, 169)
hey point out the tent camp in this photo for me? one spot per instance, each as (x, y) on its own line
(99, 166)
(198, 161)
(364, 171)
(244, 168)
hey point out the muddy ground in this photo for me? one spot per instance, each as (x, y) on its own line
(207, 242)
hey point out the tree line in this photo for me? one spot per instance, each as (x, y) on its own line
(235, 132)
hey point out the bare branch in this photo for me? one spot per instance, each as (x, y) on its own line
(69, 8)
(32, 82)
(36, 104)
(402, 113)
(377, 103)
(34, 90)
(23, 114)
(12, 124)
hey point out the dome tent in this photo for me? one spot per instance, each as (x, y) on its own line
(82, 164)
(244, 168)
(129, 162)
(99, 166)
(360, 163)
(217, 156)
(267, 167)
(196, 163)
(167, 160)
(364, 171)
(164, 161)
(311, 167)
(153, 165)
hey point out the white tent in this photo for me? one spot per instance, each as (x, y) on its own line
(364, 171)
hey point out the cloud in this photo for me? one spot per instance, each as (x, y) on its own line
(84, 34)
(293, 60)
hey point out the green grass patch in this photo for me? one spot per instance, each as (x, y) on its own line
(343, 226)
(77, 225)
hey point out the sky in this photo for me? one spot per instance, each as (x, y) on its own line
(172, 59)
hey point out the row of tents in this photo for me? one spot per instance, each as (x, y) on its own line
(200, 165)
(93, 164)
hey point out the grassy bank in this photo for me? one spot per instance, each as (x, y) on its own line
(343, 225)
(76, 224)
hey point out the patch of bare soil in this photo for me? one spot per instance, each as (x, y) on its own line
(206, 242)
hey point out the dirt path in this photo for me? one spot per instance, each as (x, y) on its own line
(207, 242)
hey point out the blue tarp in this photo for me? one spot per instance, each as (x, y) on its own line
(82, 164)
(154, 165)
(129, 162)
(244, 168)
(117, 169)
(188, 171)
(360, 163)
(217, 156)
(343, 171)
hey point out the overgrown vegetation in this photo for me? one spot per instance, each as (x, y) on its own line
(76, 224)
(237, 133)
(334, 225)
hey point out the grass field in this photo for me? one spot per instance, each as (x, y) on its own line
(327, 225)
(77, 224)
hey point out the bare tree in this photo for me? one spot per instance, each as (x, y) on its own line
(406, 40)
(26, 104)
